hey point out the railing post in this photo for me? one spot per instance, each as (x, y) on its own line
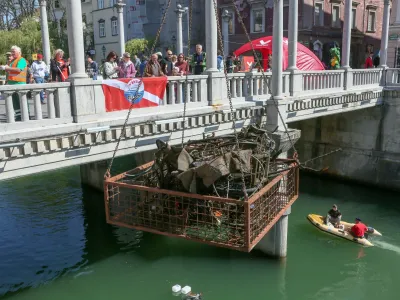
(50, 104)
(37, 105)
(24, 106)
(9, 107)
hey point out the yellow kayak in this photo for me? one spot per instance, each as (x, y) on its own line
(343, 231)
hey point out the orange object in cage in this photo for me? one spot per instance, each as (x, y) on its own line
(223, 222)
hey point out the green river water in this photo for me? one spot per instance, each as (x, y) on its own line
(55, 245)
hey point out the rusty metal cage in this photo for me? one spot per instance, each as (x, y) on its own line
(224, 222)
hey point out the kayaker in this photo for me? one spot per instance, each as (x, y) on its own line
(359, 229)
(334, 216)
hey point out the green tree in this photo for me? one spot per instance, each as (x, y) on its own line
(138, 46)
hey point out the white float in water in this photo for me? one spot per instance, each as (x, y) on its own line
(176, 288)
(186, 290)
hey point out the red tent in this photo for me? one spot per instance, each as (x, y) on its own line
(306, 59)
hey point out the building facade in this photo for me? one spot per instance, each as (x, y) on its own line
(320, 25)
(393, 59)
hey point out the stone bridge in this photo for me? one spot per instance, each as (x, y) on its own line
(73, 128)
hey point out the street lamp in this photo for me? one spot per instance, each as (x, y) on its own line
(104, 51)
(58, 14)
(186, 9)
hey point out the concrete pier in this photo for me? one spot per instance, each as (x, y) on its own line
(92, 174)
(275, 241)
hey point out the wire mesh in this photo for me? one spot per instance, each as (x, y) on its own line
(220, 221)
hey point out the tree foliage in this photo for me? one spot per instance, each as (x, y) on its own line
(139, 46)
(28, 37)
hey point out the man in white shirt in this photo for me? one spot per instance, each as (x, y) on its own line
(39, 73)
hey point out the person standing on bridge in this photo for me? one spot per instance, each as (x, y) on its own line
(39, 73)
(111, 69)
(16, 74)
(198, 61)
(59, 67)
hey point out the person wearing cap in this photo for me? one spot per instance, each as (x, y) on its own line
(16, 70)
(39, 73)
(359, 229)
(334, 216)
(126, 67)
(9, 57)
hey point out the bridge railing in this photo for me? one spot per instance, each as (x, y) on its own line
(367, 76)
(32, 113)
(392, 77)
(195, 89)
(313, 81)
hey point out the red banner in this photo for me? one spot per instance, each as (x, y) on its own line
(119, 93)
(247, 63)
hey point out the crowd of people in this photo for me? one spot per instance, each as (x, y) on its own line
(20, 71)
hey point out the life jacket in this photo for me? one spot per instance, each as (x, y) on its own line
(17, 76)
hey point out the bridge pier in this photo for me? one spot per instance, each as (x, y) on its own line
(274, 242)
(92, 174)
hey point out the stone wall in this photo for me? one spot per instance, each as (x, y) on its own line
(369, 139)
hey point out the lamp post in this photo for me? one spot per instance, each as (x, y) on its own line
(58, 14)
(186, 9)
(45, 31)
(120, 10)
(226, 17)
(179, 39)
(103, 49)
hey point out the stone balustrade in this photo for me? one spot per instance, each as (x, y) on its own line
(392, 77)
(180, 88)
(367, 77)
(33, 113)
(321, 81)
(83, 100)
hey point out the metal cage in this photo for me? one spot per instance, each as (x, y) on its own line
(223, 222)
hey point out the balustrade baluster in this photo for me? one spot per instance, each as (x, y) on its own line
(255, 86)
(9, 107)
(165, 98)
(172, 99)
(233, 87)
(188, 86)
(240, 87)
(178, 86)
(24, 106)
(51, 110)
(250, 86)
(195, 95)
(37, 105)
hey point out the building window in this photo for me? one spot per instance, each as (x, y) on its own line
(100, 4)
(113, 2)
(102, 28)
(57, 4)
(354, 18)
(336, 16)
(371, 20)
(114, 26)
(319, 14)
(257, 18)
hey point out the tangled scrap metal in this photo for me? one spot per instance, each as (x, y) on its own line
(214, 166)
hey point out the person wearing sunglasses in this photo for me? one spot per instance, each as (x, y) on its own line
(111, 68)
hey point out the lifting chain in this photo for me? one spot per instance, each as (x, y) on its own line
(190, 12)
(264, 77)
(233, 116)
(108, 172)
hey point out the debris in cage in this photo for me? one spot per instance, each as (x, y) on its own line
(196, 192)
(214, 166)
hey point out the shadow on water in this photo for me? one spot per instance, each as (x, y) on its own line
(355, 192)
